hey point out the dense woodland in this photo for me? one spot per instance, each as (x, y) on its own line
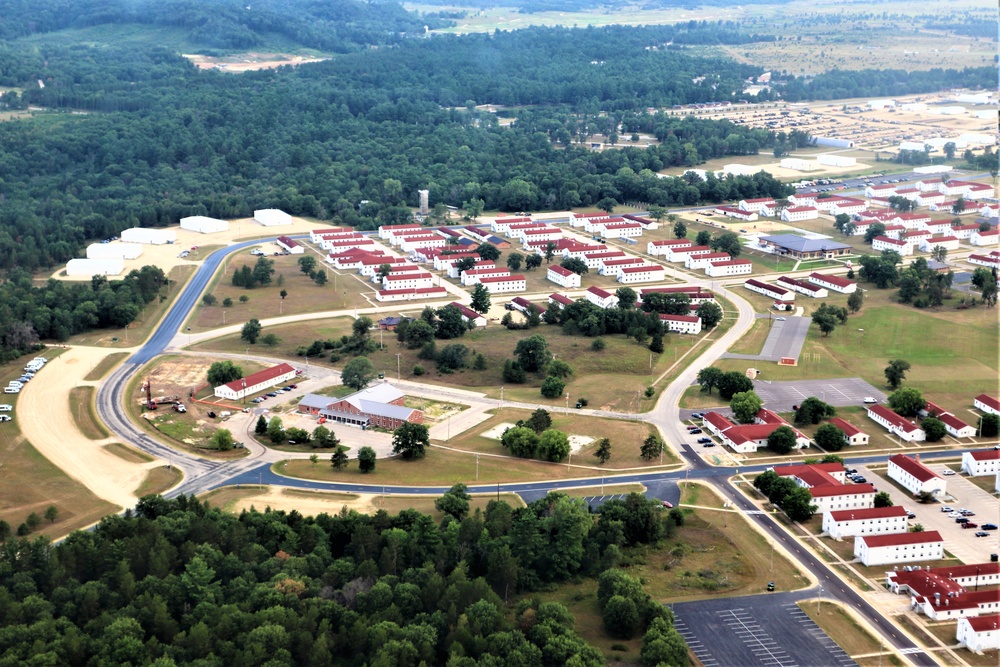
(177, 582)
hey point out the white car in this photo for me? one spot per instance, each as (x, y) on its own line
(948, 473)
(870, 399)
(5, 418)
(6, 407)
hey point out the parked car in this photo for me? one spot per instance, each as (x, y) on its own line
(870, 399)
(6, 407)
(257, 400)
(961, 519)
(966, 512)
(982, 533)
(851, 471)
(948, 473)
(709, 444)
(695, 431)
(911, 515)
(779, 319)
(11, 390)
(770, 586)
(946, 508)
(989, 526)
(970, 524)
(704, 441)
(667, 503)
(271, 394)
(5, 418)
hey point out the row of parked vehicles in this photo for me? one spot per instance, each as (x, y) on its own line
(695, 430)
(272, 394)
(33, 366)
(961, 517)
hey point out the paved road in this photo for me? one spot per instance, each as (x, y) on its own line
(784, 340)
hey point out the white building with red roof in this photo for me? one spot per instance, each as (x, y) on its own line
(768, 290)
(646, 272)
(747, 438)
(966, 604)
(913, 220)
(660, 248)
(698, 262)
(316, 235)
(979, 634)
(596, 258)
(738, 213)
(798, 213)
(561, 299)
(934, 242)
(756, 205)
(689, 324)
(394, 269)
(989, 237)
(613, 266)
(914, 476)
(981, 462)
(880, 243)
(411, 293)
(508, 283)
(408, 280)
(938, 226)
(502, 225)
(697, 294)
(562, 277)
(898, 548)
(620, 230)
(987, 403)
(918, 582)
(811, 289)
(835, 283)
(480, 264)
(928, 198)
(543, 233)
(952, 424)
(476, 275)
(839, 524)
(896, 424)
(848, 205)
(852, 434)
(825, 482)
(896, 232)
(470, 316)
(728, 267)
(334, 246)
(259, 381)
(443, 262)
(387, 231)
(681, 253)
(600, 297)
(880, 190)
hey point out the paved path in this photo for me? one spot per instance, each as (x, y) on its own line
(784, 340)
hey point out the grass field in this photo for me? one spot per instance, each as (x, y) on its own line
(159, 480)
(752, 341)
(101, 369)
(845, 631)
(128, 453)
(946, 633)
(81, 401)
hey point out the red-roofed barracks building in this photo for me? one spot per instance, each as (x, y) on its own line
(914, 476)
(258, 381)
(898, 548)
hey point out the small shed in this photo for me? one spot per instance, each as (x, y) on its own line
(204, 225)
(272, 217)
(290, 245)
(87, 268)
(150, 236)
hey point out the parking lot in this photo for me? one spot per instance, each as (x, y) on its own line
(762, 630)
(962, 542)
(781, 396)
(784, 340)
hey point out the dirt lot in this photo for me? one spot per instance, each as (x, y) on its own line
(248, 62)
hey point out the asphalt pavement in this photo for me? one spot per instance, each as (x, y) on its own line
(785, 339)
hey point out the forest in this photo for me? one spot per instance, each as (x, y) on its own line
(178, 582)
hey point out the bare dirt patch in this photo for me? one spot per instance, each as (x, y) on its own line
(248, 62)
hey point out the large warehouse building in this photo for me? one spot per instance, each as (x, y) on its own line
(204, 225)
(148, 235)
(114, 250)
(86, 268)
(272, 217)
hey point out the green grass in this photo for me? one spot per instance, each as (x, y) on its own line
(159, 480)
(752, 342)
(81, 402)
(130, 454)
(101, 368)
(845, 631)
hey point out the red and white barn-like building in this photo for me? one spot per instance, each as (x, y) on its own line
(981, 462)
(562, 276)
(915, 236)
(987, 238)
(335, 246)
(768, 290)
(647, 223)
(914, 476)
(803, 198)
(290, 245)
(835, 283)
(522, 305)
(728, 267)
(469, 315)
(681, 253)
(690, 324)
(514, 229)
(748, 438)
(913, 220)
(661, 248)
(934, 242)
(443, 262)
(937, 226)
(804, 287)
(880, 190)
(647, 272)
(896, 423)
(852, 434)
(394, 270)
(502, 225)
(699, 262)
(987, 403)
(419, 241)
(848, 205)
(415, 280)
(738, 213)
(353, 258)
(756, 205)
(620, 230)
(508, 283)
(410, 294)
(370, 265)
(896, 232)
(961, 604)
(255, 382)
(979, 634)
(573, 248)
(880, 243)
(561, 299)
(919, 582)
(990, 261)
(479, 265)
(535, 234)
(799, 213)
(380, 405)
(475, 276)
(898, 548)
(825, 483)
(614, 266)
(386, 232)
(928, 198)
(600, 297)
(596, 259)
(952, 424)
(697, 295)
(316, 235)
(839, 524)
(582, 219)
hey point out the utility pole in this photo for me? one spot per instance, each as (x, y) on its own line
(477, 467)
(397, 367)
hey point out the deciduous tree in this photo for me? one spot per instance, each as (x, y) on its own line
(410, 441)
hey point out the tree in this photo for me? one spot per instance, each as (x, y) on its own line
(358, 373)
(627, 297)
(251, 331)
(263, 271)
(532, 261)
(450, 323)
(383, 271)
(366, 459)
(732, 383)
(559, 368)
(781, 440)
(709, 378)
(668, 303)
(488, 251)
(532, 353)
(855, 300)
(5, 531)
(283, 293)
(222, 440)
(656, 343)
(324, 438)
(417, 334)
(227, 302)
(727, 242)
(825, 320)
(464, 264)
(338, 460)
(663, 645)
(307, 264)
(798, 504)
(745, 406)
(933, 428)
(552, 387)
(704, 237)
(474, 207)
(830, 438)
(261, 427)
(553, 446)
(410, 441)
(452, 358)
(33, 521)
(874, 229)
(840, 221)
(480, 299)
(208, 299)
(275, 431)
(652, 447)
(883, 499)
(710, 314)
(575, 264)
(520, 440)
(223, 372)
(51, 514)
(895, 372)
(319, 277)
(607, 204)
(455, 502)
(539, 421)
(244, 298)
(989, 426)
(812, 411)
(907, 401)
(621, 617)
(680, 230)
(550, 251)
(603, 451)
(514, 261)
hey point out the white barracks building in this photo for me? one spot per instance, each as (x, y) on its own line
(898, 548)
(839, 524)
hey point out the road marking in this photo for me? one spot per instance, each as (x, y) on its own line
(911, 651)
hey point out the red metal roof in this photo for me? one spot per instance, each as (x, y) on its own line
(985, 454)
(847, 427)
(562, 271)
(673, 242)
(873, 513)
(841, 490)
(597, 291)
(465, 310)
(984, 623)
(501, 279)
(407, 276)
(731, 262)
(260, 376)
(833, 280)
(914, 467)
(886, 239)
(414, 290)
(899, 539)
(560, 298)
(892, 417)
(678, 318)
(645, 268)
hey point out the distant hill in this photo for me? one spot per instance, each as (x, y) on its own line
(337, 26)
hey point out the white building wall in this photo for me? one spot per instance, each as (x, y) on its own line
(987, 640)
(934, 485)
(846, 501)
(272, 217)
(147, 235)
(506, 286)
(838, 530)
(204, 225)
(87, 268)
(716, 271)
(114, 250)
(904, 553)
(980, 468)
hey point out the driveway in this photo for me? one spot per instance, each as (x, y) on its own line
(784, 340)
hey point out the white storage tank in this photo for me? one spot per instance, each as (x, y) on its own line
(204, 225)
(147, 235)
(114, 250)
(86, 268)
(272, 217)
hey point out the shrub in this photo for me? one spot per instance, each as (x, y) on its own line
(418, 370)
(552, 387)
